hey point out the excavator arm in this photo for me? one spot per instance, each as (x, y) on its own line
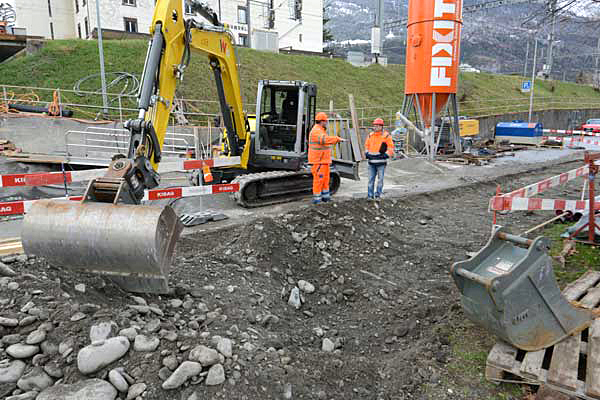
(109, 232)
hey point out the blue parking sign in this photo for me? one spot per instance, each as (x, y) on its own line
(526, 86)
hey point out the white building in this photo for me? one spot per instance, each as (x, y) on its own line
(277, 24)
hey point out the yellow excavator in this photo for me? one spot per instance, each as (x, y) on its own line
(109, 232)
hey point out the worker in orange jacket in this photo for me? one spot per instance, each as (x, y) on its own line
(378, 148)
(319, 156)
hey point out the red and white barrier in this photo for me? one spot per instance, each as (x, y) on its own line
(572, 140)
(539, 187)
(21, 207)
(571, 132)
(502, 203)
(52, 178)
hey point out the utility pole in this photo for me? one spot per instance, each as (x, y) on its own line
(597, 76)
(377, 31)
(101, 51)
(549, 59)
(532, 79)
(526, 59)
(249, 17)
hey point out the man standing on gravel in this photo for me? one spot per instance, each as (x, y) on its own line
(319, 156)
(378, 148)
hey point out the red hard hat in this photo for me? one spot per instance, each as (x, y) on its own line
(321, 116)
(378, 121)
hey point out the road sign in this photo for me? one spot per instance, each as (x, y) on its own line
(525, 86)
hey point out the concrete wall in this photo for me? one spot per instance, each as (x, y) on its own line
(551, 119)
(34, 16)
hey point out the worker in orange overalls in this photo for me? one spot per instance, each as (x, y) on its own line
(378, 148)
(319, 156)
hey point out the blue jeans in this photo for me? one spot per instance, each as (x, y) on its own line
(376, 170)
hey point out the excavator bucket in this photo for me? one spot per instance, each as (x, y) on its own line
(132, 244)
(509, 288)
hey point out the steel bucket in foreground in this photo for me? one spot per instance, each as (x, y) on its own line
(512, 292)
(132, 244)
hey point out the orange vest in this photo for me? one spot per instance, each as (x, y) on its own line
(319, 145)
(374, 141)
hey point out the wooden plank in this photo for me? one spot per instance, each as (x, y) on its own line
(591, 299)
(576, 289)
(503, 356)
(357, 144)
(592, 376)
(493, 374)
(11, 246)
(564, 363)
(532, 364)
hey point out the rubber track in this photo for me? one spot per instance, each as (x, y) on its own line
(245, 180)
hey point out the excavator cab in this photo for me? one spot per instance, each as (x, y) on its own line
(284, 114)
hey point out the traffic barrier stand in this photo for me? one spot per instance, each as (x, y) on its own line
(52, 178)
(21, 207)
(521, 200)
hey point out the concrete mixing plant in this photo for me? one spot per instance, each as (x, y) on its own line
(432, 60)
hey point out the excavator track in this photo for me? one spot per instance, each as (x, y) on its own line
(275, 187)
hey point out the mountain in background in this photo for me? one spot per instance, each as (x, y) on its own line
(494, 40)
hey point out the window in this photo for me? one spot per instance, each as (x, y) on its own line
(79, 30)
(188, 8)
(130, 25)
(243, 40)
(300, 38)
(242, 15)
(83, 2)
(87, 27)
(52, 30)
(129, 3)
(49, 9)
(77, 8)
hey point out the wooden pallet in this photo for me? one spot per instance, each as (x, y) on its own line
(11, 246)
(571, 366)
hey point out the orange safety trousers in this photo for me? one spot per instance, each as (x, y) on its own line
(320, 173)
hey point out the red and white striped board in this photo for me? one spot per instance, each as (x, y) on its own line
(570, 132)
(572, 140)
(21, 207)
(190, 191)
(52, 178)
(539, 187)
(502, 203)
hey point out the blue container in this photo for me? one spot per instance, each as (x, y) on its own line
(519, 129)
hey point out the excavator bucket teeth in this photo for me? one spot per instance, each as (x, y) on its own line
(509, 288)
(131, 244)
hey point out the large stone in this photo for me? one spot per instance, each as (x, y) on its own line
(185, 371)
(22, 350)
(145, 343)
(102, 331)
(36, 379)
(96, 389)
(36, 337)
(5, 270)
(216, 375)
(31, 395)
(100, 354)
(225, 347)
(118, 381)
(205, 356)
(11, 372)
(129, 333)
(9, 322)
(136, 390)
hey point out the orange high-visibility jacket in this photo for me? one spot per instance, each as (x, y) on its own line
(373, 144)
(319, 145)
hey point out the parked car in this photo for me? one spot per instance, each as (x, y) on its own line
(592, 125)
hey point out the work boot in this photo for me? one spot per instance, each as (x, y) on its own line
(316, 201)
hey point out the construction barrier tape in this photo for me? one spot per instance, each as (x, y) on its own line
(502, 203)
(572, 140)
(21, 207)
(52, 178)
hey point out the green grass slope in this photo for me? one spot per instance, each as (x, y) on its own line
(377, 89)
